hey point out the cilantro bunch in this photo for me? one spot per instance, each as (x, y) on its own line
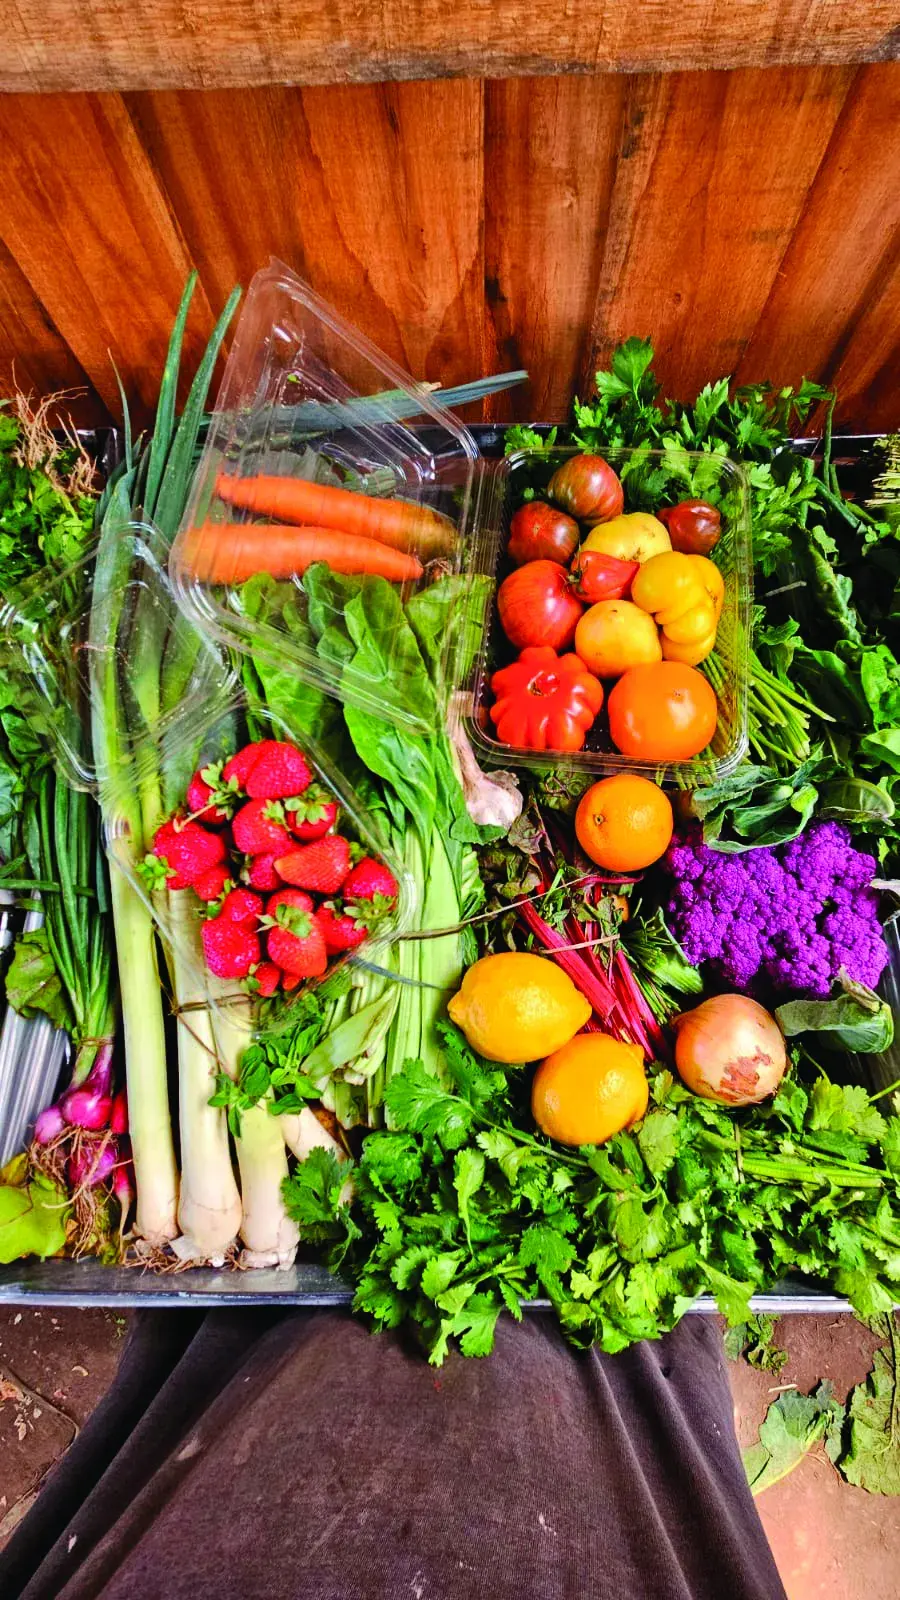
(460, 1212)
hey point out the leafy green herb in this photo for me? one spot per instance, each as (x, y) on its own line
(461, 1212)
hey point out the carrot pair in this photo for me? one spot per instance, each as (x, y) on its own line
(401, 524)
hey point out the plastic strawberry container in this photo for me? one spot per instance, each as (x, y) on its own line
(650, 479)
(306, 397)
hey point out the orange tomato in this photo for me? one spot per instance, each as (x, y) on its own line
(666, 711)
(615, 635)
(624, 823)
(589, 1090)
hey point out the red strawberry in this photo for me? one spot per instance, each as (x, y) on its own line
(201, 800)
(188, 850)
(371, 885)
(311, 814)
(300, 949)
(259, 829)
(241, 905)
(267, 978)
(261, 874)
(288, 897)
(321, 867)
(340, 931)
(211, 884)
(240, 765)
(230, 948)
(280, 770)
(291, 980)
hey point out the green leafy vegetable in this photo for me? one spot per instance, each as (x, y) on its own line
(34, 1215)
(793, 1425)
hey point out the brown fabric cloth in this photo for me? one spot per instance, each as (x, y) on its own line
(294, 1457)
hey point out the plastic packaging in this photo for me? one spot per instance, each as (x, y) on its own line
(651, 479)
(58, 681)
(140, 685)
(189, 746)
(306, 398)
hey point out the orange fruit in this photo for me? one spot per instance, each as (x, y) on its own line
(614, 635)
(589, 1090)
(624, 823)
(666, 711)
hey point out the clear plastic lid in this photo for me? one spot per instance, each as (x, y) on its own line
(205, 744)
(650, 479)
(134, 700)
(329, 470)
(85, 673)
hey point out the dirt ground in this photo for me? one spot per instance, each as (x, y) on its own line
(831, 1541)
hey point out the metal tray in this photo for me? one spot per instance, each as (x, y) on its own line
(88, 1283)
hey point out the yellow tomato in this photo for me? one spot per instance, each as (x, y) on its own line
(711, 578)
(634, 536)
(690, 655)
(614, 635)
(692, 625)
(667, 585)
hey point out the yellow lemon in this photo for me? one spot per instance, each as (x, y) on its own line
(590, 1089)
(517, 1007)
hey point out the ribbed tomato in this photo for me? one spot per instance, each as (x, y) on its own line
(537, 605)
(545, 701)
(587, 488)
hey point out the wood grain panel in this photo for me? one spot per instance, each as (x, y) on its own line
(33, 354)
(374, 193)
(834, 310)
(550, 154)
(83, 214)
(712, 178)
(172, 44)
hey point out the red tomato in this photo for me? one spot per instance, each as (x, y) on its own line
(599, 577)
(588, 489)
(694, 526)
(545, 701)
(537, 605)
(539, 532)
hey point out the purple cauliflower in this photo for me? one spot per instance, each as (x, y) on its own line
(792, 916)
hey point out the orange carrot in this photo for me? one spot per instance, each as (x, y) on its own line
(231, 552)
(399, 523)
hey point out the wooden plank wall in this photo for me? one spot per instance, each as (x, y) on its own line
(748, 220)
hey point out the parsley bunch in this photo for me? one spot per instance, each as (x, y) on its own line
(460, 1212)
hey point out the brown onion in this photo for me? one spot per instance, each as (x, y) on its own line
(730, 1049)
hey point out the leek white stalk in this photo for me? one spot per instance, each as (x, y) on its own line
(270, 1237)
(209, 1205)
(150, 1127)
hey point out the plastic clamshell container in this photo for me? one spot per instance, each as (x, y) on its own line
(651, 479)
(61, 682)
(305, 396)
(184, 749)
